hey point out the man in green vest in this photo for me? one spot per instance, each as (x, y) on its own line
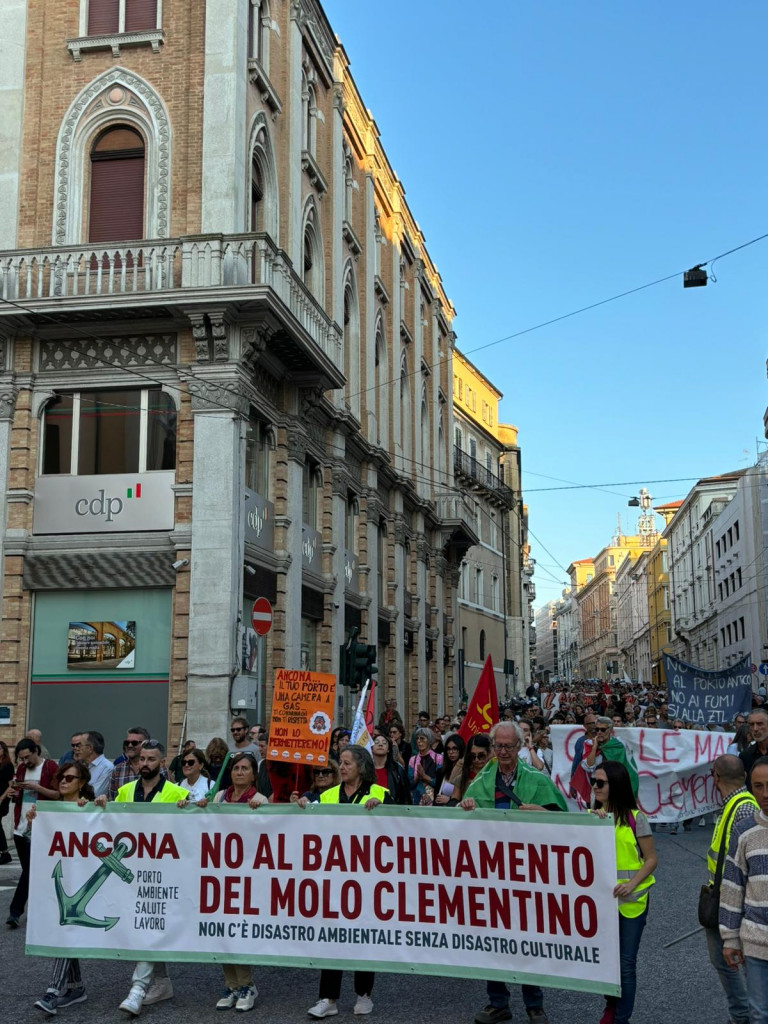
(730, 778)
(507, 783)
(150, 982)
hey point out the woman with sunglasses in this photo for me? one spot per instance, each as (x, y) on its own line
(475, 759)
(450, 771)
(66, 987)
(194, 774)
(635, 860)
(323, 779)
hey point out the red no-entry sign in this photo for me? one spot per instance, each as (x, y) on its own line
(261, 616)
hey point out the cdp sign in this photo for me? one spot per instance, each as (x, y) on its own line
(114, 503)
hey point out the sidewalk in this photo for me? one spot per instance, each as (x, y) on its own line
(9, 873)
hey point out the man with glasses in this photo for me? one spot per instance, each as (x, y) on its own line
(90, 748)
(738, 804)
(239, 730)
(150, 982)
(607, 748)
(508, 783)
(128, 770)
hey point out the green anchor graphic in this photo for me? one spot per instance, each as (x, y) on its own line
(72, 908)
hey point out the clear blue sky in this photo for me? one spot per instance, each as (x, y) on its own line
(555, 154)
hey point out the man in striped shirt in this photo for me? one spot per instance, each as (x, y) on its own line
(744, 898)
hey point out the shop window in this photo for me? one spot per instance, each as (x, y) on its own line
(116, 209)
(96, 432)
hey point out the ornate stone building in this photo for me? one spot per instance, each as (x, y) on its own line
(226, 373)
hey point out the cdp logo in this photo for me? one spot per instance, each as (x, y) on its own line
(103, 506)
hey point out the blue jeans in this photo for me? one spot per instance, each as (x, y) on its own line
(734, 985)
(498, 995)
(757, 989)
(630, 933)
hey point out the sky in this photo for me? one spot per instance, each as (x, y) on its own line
(556, 154)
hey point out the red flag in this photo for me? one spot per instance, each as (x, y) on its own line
(370, 720)
(483, 709)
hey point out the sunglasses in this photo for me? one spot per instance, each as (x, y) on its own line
(478, 755)
(133, 743)
(603, 728)
(238, 729)
(322, 771)
(598, 783)
(69, 778)
(190, 763)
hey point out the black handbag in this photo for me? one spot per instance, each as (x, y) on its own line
(709, 897)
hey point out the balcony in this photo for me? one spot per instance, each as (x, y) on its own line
(246, 270)
(469, 470)
(457, 517)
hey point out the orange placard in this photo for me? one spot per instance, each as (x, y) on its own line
(302, 714)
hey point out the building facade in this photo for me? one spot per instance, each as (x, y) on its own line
(486, 463)
(691, 553)
(547, 649)
(226, 374)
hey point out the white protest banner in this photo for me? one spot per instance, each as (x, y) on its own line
(516, 896)
(675, 781)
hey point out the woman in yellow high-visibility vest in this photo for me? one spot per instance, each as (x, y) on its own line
(635, 862)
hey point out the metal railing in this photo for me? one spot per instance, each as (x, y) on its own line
(162, 265)
(467, 466)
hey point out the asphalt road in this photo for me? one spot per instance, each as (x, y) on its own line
(677, 983)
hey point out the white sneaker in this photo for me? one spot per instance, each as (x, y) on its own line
(246, 997)
(160, 989)
(364, 1004)
(323, 1008)
(228, 1000)
(133, 1001)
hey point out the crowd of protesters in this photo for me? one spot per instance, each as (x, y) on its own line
(430, 764)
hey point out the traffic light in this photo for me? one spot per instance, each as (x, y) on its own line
(357, 662)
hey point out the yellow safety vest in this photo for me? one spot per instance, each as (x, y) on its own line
(628, 863)
(331, 796)
(718, 838)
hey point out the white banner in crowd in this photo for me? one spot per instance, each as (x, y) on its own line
(517, 896)
(674, 768)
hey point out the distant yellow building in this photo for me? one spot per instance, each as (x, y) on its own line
(659, 612)
(598, 642)
(493, 611)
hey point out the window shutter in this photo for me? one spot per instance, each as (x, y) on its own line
(140, 15)
(103, 17)
(117, 200)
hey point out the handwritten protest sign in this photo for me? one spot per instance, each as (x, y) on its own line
(513, 896)
(702, 697)
(675, 781)
(302, 709)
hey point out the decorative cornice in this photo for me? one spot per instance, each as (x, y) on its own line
(296, 442)
(113, 42)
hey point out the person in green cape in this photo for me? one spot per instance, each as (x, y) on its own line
(507, 783)
(607, 748)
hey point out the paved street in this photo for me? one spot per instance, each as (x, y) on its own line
(673, 983)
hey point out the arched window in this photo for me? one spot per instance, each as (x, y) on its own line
(312, 255)
(262, 211)
(426, 455)
(257, 195)
(405, 417)
(382, 386)
(351, 342)
(116, 208)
